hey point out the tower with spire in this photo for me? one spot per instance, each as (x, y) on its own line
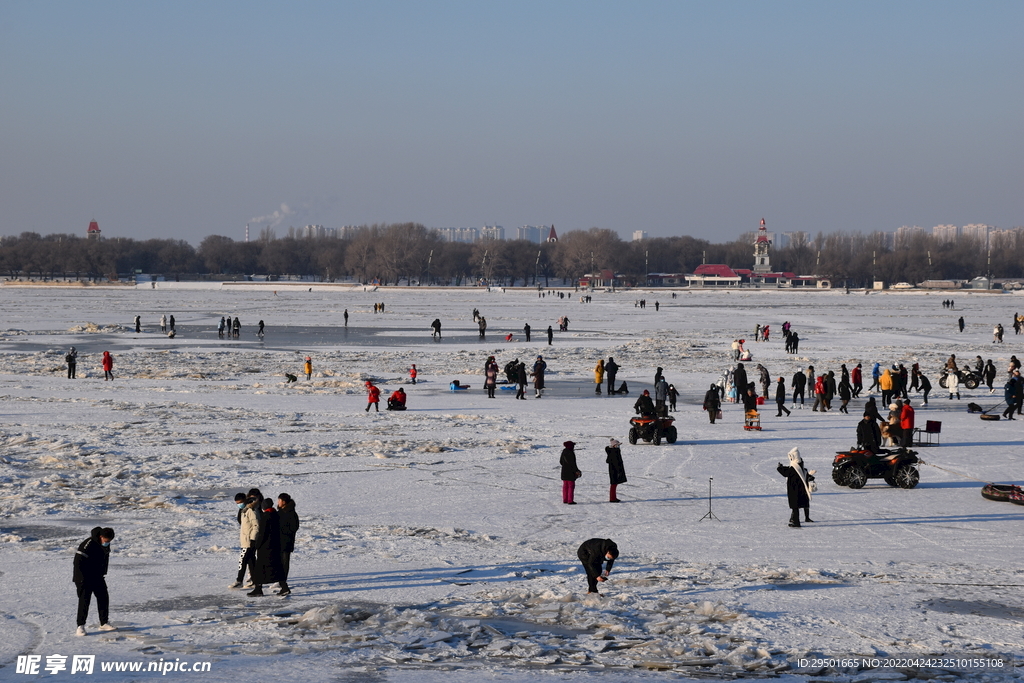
(552, 237)
(762, 251)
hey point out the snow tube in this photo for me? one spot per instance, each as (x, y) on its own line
(993, 417)
(1001, 492)
(1017, 497)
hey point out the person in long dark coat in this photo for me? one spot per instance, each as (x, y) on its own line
(551, 335)
(739, 380)
(90, 568)
(289, 520)
(780, 397)
(616, 470)
(798, 482)
(538, 376)
(597, 555)
(570, 472)
(712, 402)
(521, 381)
(268, 567)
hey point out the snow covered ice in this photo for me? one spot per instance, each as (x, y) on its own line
(434, 545)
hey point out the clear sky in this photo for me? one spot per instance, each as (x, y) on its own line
(184, 119)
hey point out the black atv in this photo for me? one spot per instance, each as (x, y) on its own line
(650, 428)
(897, 467)
(968, 378)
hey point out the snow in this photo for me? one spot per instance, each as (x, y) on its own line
(434, 545)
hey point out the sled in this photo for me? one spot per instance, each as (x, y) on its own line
(1000, 492)
(988, 417)
(752, 420)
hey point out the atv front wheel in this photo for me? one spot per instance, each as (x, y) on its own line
(971, 382)
(839, 476)
(632, 435)
(856, 477)
(657, 437)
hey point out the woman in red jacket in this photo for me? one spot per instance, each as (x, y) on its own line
(108, 366)
(372, 397)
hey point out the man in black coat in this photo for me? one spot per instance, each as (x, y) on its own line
(268, 567)
(521, 381)
(799, 383)
(644, 406)
(289, 521)
(712, 402)
(593, 554)
(869, 436)
(90, 565)
(526, 331)
(611, 368)
(739, 380)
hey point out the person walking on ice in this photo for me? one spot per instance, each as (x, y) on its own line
(108, 366)
(597, 555)
(372, 397)
(308, 367)
(798, 487)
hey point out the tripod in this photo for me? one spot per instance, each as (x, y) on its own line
(709, 514)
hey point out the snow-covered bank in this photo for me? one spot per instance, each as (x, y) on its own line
(436, 538)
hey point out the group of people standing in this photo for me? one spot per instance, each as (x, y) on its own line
(570, 471)
(267, 540)
(232, 328)
(106, 362)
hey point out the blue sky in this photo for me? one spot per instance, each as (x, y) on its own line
(185, 119)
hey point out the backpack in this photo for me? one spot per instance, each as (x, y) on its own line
(69, 358)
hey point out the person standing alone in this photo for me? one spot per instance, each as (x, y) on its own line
(90, 568)
(616, 470)
(569, 472)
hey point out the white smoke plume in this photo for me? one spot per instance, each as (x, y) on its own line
(274, 219)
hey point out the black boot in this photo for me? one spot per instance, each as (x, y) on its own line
(807, 515)
(794, 518)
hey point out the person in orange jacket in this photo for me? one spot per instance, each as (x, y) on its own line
(413, 373)
(372, 397)
(108, 366)
(308, 367)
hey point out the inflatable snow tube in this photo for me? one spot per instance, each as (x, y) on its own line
(992, 417)
(1001, 492)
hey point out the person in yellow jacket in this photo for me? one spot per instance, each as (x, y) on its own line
(885, 384)
(308, 367)
(598, 376)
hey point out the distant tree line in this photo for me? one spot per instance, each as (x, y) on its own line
(409, 252)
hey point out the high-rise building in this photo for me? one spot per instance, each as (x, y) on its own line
(530, 233)
(492, 232)
(467, 235)
(946, 233)
(978, 232)
(903, 234)
(639, 235)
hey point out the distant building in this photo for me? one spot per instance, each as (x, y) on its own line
(902, 236)
(531, 233)
(466, 235)
(978, 232)
(946, 234)
(93, 232)
(552, 236)
(639, 235)
(492, 232)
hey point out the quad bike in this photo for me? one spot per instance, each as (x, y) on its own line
(968, 378)
(897, 467)
(651, 428)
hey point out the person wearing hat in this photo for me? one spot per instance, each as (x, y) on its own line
(372, 397)
(712, 402)
(869, 436)
(597, 555)
(268, 567)
(490, 376)
(308, 367)
(397, 400)
(616, 470)
(599, 375)
(798, 487)
(90, 565)
(570, 472)
(644, 406)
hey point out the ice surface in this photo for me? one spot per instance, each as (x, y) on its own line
(434, 545)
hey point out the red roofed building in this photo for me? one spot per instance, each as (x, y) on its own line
(93, 232)
(552, 237)
(714, 275)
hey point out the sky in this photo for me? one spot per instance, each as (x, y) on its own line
(186, 119)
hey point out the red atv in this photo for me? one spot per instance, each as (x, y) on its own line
(897, 467)
(650, 428)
